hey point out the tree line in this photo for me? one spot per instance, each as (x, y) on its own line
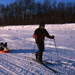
(31, 12)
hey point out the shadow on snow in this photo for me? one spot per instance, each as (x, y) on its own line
(22, 51)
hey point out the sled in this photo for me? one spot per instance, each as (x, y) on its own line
(6, 51)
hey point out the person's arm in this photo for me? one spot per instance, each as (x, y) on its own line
(52, 37)
(49, 36)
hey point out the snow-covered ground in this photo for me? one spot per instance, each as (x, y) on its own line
(20, 41)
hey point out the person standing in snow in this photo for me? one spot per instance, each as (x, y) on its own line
(39, 35)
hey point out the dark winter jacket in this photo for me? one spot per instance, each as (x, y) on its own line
(40, 34)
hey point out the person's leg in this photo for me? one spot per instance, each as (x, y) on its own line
(41, 49)
(40, 56)
(36, 54)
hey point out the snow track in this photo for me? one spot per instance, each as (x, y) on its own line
(5, 71)
(16, 66)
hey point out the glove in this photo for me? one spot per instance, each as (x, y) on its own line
(34, 36)
(52, 37)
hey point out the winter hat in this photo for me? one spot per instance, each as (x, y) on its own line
(42, 24)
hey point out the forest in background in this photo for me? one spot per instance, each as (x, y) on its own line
(24, 12)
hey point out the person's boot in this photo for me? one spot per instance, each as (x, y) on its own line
(40, 62)
(36, 55)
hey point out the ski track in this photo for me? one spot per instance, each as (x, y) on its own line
(5, 71)
(17, 64)
(19, 57)
(21, 67)
(65, 62)
(14, 67)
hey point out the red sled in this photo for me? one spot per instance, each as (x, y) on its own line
(6, 51)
